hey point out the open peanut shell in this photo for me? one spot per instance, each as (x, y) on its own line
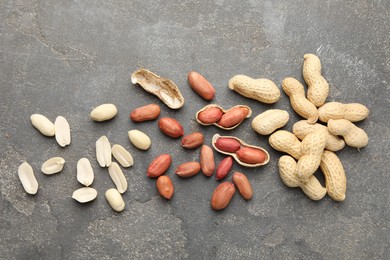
(224, 111)
(165, 89)
(215, 138)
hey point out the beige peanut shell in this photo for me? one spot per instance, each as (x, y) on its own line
(263, 90)
(335, 110)
(312, 147)
(224, 111)
(303, 128)
(267, 122)
(287, 171)
(284, 141)
(267, 157)
(318, 87)
(165, 89)
(353, 135)
(335, 179)
(301, 105)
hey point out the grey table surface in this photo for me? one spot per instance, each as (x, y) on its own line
(67, 57)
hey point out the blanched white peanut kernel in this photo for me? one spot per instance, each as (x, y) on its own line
(103, 151)
(27, 178)
(43, 124)
(104, 112)
(117, 177)
(139, 139)
(115, 200)
(85, 194)
(85, 173)
(122, 155)
(62, 131)
(53, 165)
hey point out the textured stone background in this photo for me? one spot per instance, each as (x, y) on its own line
(66, 57)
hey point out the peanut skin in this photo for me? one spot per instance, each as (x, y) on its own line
(284, 141)
(165, 187)
(318, 87)
(288, 173)
(145, 113)
(233, 117)
(335, 110)
(353, 135)
(222, 195)
(295, 90)
(188, 169)
(201, 86)
(207, 162)
(263, 90)
(303, 128)
(243, 185)
(335, 179)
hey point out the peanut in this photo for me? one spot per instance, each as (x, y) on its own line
(318, 87)
(270, 120)
(210, 115)
(303, 128)
(335, 179)
(207, 160)
(223, 168)
(228, 145)
(145, 113)
(171, 127)
(335, 110)
(263, 90)
(43, 124)
(139, 139)
(192, 140)
(188, 169)
(165, 187)
(353, 135)
(201, 86)
(243, 185)
(233, 117)
(115, 200)
(251, 155)
(159, 165)
(165, 89)
(312, 147)
(222, 195)
(284, 141)
(104, 112)
(294, 89)
(288, 173)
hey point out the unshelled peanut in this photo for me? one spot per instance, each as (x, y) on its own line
(353, 135)
(267, 122)
(284, 141)
(312, 147)
(335, 179)
(318, 87)
(288, 173)
(294, 89)
(303, 128)
(263, 90)
(335, 110)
